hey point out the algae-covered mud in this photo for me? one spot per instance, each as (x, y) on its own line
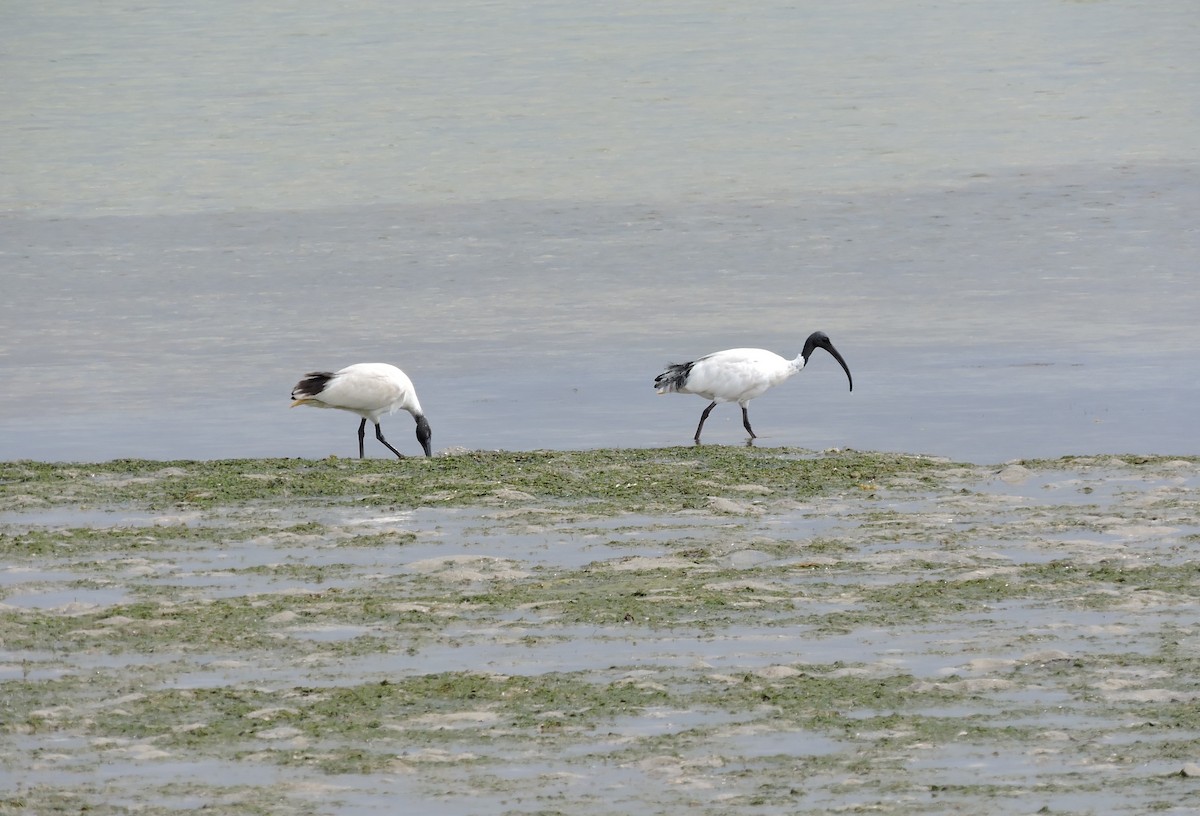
(703, 630)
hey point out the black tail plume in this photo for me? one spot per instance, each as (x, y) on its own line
(674, 378)
(314, 383)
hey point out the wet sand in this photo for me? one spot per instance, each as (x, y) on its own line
(717, 629)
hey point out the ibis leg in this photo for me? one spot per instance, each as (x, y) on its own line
(379, 436)
(703, 417)
(746, 423)
(362, 432)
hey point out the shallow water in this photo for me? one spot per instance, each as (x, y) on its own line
(533, 209)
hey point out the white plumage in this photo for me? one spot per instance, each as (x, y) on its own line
(739, 375)
(370, 390)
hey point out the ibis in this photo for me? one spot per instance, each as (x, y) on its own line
(739, 375)
(370, 390)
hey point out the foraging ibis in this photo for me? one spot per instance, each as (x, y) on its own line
(369, 390)
(739, 375)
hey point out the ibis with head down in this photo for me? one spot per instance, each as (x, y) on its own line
(370, 390)
(739, 375)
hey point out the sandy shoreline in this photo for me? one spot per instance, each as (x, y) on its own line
(719, 629)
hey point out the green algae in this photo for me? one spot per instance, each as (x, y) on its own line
(628, 480)
(792, 629)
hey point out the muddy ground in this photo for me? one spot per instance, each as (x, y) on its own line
(703, 630)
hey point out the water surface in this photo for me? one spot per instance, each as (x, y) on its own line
(532, 208)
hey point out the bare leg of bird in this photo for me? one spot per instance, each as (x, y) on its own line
(703, 417)
(746, 423)
(362, 432)
(379, 436)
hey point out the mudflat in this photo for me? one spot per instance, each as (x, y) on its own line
(710, 630)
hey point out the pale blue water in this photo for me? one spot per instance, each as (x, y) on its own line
(531, 208)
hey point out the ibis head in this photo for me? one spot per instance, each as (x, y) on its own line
(424, 435)
(820, 339)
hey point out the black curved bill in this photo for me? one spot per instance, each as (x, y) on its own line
(829, 347)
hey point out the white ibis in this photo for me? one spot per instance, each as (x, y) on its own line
(370, 390)
(739, 375)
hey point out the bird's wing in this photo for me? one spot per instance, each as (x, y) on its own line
(364, 389)
(736, 374)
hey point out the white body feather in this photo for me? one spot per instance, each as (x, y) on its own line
(736, 375)
(371, 390)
